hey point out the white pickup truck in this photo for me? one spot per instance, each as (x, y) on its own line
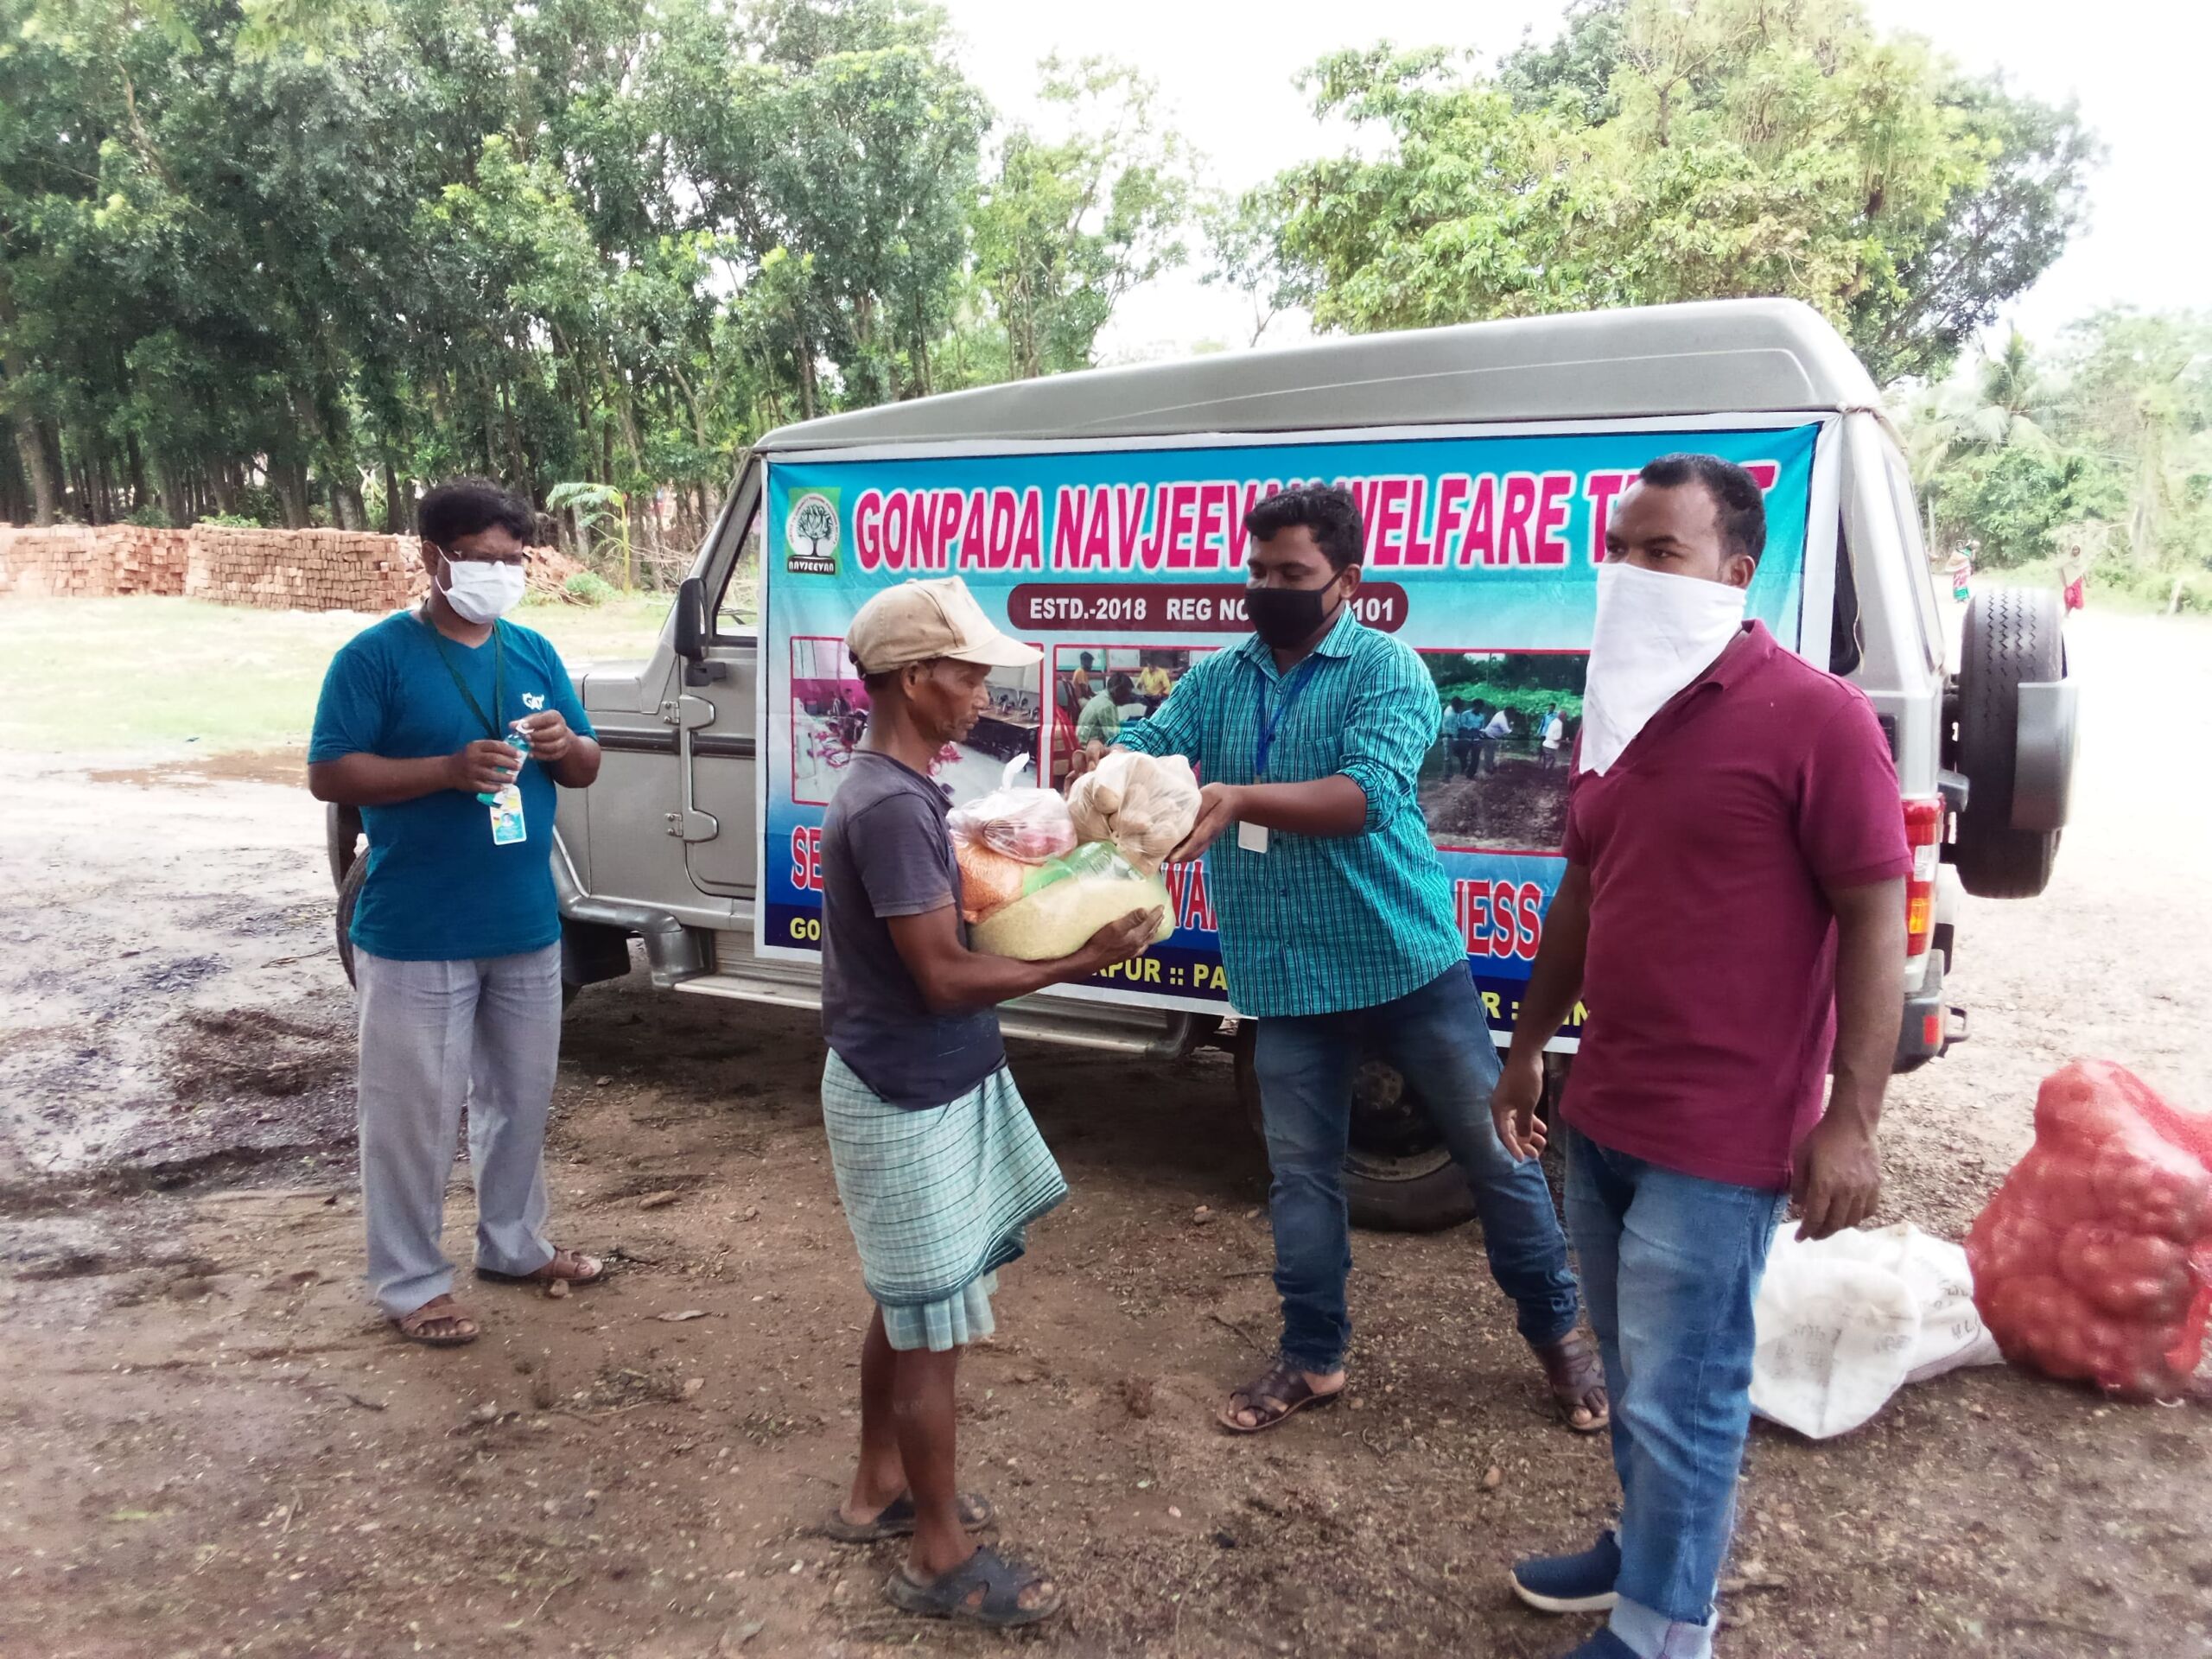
(1099, 511)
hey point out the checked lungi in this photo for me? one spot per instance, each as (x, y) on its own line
(938, 1199)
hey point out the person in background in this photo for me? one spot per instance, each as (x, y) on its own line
(1732, 914)
(1554, 745)
(449, 727)
(1079, 683)
(1462, 739)
(1101, 719)
(1962, 573)
(1337, 935)
(2073, 576)
(1497, 735)
(939, 1168)
(1124, 690)
(1154, 684)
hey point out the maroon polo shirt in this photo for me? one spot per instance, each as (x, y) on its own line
(1710, 980)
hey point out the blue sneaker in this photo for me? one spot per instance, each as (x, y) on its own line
(1573, 1584)
(1604, 1645)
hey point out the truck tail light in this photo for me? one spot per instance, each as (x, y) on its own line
(1923, 832)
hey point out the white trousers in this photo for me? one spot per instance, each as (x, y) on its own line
(436, 1037)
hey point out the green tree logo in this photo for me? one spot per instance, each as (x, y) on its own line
(810, 535)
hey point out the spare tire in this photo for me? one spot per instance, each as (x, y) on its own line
(2013, 636)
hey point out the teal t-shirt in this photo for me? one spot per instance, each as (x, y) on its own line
(439, 887)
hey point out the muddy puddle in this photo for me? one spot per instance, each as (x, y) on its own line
(170, 1001)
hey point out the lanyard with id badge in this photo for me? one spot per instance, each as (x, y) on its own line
(1253, 837)
(507, 825)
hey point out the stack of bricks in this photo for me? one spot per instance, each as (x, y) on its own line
(303, 570)
(74, 562)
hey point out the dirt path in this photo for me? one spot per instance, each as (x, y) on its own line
(209, 1446)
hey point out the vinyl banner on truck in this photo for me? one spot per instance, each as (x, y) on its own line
(1124, 563)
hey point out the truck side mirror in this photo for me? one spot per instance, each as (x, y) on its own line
(691, 634)
(691, 621)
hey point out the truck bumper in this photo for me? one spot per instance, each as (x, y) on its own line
(1931, 1025)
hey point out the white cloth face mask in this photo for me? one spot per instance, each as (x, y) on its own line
(483, 590)
(1656, 633)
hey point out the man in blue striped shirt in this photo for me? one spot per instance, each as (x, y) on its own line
(1337, 937)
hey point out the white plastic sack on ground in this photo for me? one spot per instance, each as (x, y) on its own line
(1845, 1323)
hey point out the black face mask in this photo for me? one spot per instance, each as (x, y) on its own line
(1284, 617)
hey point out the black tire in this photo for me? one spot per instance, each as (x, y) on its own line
(1398, 1175)
(349, 894)
(2013, 636)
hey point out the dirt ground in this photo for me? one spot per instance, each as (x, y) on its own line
(1518, 807)
(209, 1447)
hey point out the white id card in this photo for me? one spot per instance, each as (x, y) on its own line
(1252, 837)
(507, 826)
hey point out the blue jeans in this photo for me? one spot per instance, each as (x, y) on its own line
(1671, 1265)
(1439, 1040)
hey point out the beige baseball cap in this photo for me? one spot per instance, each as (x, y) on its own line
(919, 620)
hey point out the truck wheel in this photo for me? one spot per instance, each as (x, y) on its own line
(1398, 1175)
(2013, 636)
(349, 894)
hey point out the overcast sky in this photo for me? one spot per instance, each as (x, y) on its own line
(1224, 69)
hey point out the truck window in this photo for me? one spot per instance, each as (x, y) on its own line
(737, 608)
(1918, 574)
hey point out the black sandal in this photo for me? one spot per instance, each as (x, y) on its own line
(896, 1520)
(1277, 1392)
(985, 1589)
(1575, 1374)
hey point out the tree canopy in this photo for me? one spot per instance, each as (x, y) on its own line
(287, 261)
(1674, 149)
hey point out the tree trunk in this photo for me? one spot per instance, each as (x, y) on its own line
(30, 447)
(289, 480)
(394, 524)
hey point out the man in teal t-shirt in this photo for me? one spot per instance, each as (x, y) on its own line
(449, 728)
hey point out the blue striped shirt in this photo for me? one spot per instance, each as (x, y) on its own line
(1319, 924)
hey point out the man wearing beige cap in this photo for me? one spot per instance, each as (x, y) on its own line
(939, 1165)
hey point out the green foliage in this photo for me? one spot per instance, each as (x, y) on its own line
(2098, 454)
(1677, 149)
(1067, 227)
(587, 588)
(152, 515)
(321, 254)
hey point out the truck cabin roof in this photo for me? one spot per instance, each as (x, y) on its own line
(1722, 356)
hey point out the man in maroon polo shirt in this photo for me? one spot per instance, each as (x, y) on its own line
(1732, 915)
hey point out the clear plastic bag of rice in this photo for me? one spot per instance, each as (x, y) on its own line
(1028, 824)
(1069, 898)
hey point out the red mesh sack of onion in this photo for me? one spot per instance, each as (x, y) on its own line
(2093, 1261)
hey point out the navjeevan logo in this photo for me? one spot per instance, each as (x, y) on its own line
(810, 534)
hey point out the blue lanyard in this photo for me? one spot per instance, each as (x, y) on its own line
(1296, 684)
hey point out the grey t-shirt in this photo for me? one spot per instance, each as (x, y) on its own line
(885, 852)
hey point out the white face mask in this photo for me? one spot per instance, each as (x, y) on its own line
(1656, 633)
(482, 590)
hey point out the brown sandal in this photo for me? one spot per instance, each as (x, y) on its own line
(1275, 1394)
(571, 1267)
(1576, 1376)
(439, 1310)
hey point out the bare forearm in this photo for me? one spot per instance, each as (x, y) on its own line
(1330, 807)
(579, 767)
(377, 780)
(1869, 1007)
(1555, 980)
(972, 981)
